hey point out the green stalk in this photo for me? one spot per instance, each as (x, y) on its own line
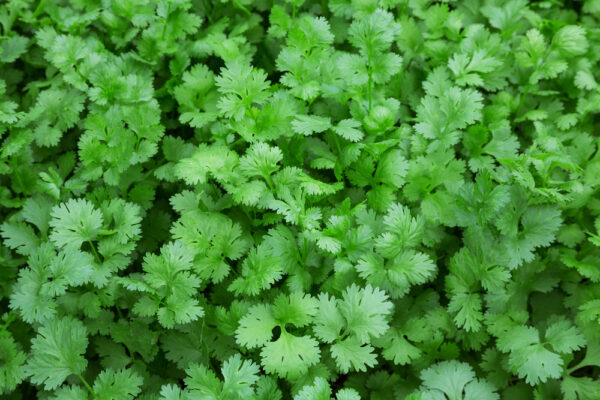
(522, 100)
(96, 255)
(9, 319)
(528, 87)
(241, 7)
(38, 10)
(269, 182)
(164, 30)
(370, 84)
(87, 385)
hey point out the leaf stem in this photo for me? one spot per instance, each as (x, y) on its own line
(96, 255)
(324, 9)
(10, 318)
(269, 182)
(40, 7)
(87, 385)
(541, 62)
(370, 84)
(240, 6)
(119, 312)
(337, 144)
(522, 100)
(164, 30)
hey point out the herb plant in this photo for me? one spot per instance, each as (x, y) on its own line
(299, 199)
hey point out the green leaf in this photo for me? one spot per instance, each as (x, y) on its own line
(260, 270)
(239, 377)
(320, 390)
(297, 309)
(310, 124)
(19, 236)
(329, 322)
(528, 356)
(215, 161)
(123, 218)
(455, 381)
(70, 393)
(256, 326)
(571, 40)
(241, 86)
(171, 392)
(12, 360)
(168, 279)
(49, 274)
(117, 385)
(57, 352)
(11, 48)
(351, 355)
(201, 382)
(346, 128)
(290, 355)
(260, 160)
(584, 388)
(197, 97)
(398, 349)
(365, 311)
(564, 337)
(399, 274)
(75, 222)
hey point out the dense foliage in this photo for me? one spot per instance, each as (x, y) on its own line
(299, 199)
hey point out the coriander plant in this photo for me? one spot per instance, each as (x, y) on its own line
(299, 199)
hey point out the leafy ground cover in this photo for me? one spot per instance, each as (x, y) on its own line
(299, 199)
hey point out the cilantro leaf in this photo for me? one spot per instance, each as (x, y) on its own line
(310, 124)
(289, 355)
(118, 385)
(241, 87)
(57, 352)
(454, 380)
(75, 222)
(239, 377)
(307, 199)
(12, 360)
(529, 355)
(320, 390)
